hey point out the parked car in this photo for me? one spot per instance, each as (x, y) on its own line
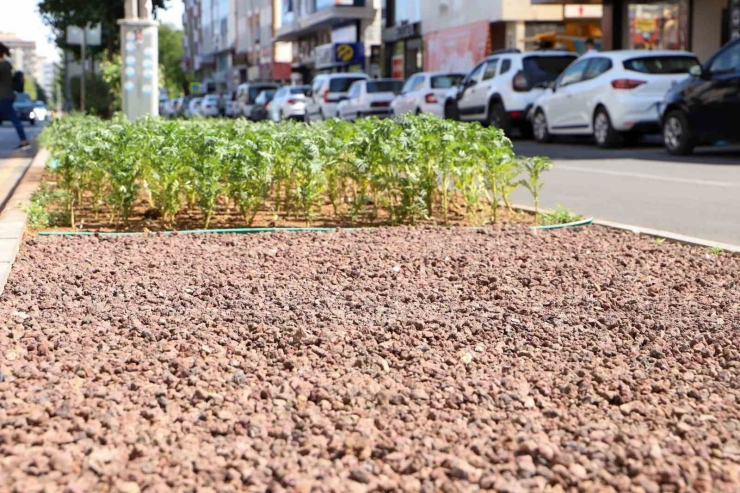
(369, 98)
(502, 89)
(289, 102)
(327, 90)
(209, 105)
(231, 106)
(23, 105)
(614, 96)
(705, 108)
(260, 110)
(425, 93)
(41, 113)
(193, 108)
(183, 103)
(246, 94)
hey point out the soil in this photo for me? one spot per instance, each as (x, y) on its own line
(99, 218)
(375, 360)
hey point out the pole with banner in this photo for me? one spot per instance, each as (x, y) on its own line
(90, 35)
(139, 54)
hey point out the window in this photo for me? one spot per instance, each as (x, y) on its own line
(393, 86)
(543, 69)
(317, 83)
(354, 91)
(597, 67)
(661, 64)
(411, 84)
(476, 73)
(343, 84)
(446, 81)
(574, 73)
(490, 71)
(505, 66)
(255, 90)
(726, 62)
(298, 90)
(280, 93)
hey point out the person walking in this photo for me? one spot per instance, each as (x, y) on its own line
(7, 96)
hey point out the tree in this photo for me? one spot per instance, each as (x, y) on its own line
(62, 13)
(170, 55)
(30, 87)
(41, 94)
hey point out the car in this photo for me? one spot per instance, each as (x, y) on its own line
(40, 111)
(502, 89)
(193, 107)
(425, 93)
(614, 96)
(231, 106)
(24, 107)
(210, 105)
(705, 107)
(327, 90)
(369, 98)
(289, 102)
(260, 110)
(182, 105)
(246, 94)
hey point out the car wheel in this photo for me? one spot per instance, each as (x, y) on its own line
(451, 111)
(677, 134)
(604, 134)
(498, 118)
(539, 128)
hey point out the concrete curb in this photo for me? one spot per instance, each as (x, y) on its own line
(13, 219)
(656, 233)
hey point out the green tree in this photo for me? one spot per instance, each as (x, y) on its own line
(170, 54)
(29, 86)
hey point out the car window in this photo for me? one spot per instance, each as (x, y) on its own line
(476, 73)
(446, 81)
(419, 84)
(574, 73)
(342, 84)
(298, 90)
(597, 67)
(727, 62)
(544, 69)
(661, 64)
(280, 93)
(317, 83)
(354, 91)
(407, 87)
(490, 71)
(505, 66)
(255, 91)
(393, 86)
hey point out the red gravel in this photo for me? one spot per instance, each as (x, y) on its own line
(398, 360)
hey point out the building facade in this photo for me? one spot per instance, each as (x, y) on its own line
(403, 43)
(700, 26)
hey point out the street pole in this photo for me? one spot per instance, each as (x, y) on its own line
(140, 57)
(84, 69)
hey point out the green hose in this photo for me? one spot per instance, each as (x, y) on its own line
(584, 222)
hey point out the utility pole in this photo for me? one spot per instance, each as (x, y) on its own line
(139, 53)
(84, 68)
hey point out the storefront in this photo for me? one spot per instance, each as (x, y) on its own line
(340, 57)
(404, 50)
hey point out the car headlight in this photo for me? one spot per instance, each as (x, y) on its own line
(32, 115)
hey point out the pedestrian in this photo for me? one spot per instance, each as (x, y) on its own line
(590, 47)
(7, 96)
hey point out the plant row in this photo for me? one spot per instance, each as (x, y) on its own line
(409, 167)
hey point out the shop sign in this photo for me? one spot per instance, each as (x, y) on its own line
(457, 49)
(349, 53)
(323, 56)
(402, 31)
(583, 11)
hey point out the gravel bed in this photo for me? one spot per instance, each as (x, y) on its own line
(386, 360)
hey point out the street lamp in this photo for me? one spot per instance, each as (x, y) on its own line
(140, 59)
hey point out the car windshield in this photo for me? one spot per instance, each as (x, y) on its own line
(342, 85)
(255, 91)
(393, 86)
(266, 96)
(22, 97)
(211, 97)
(446, 81)
(39, 104)
(299, 90)
(661, 64)
(543, 69)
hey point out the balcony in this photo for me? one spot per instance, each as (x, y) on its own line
(319, 14)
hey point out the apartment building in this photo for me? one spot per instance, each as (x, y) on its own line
(257, 56)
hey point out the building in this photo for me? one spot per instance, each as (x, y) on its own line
(458, 33)
(331, 36)
(700, 26)
(257, 57)
(403, 44)
(22, 53)
(48, 78)
(192, 38)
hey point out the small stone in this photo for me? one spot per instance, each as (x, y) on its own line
(127, 487)
(526, 466)
(420, 394)
(62, 461)
(578, 471)
(360, 474)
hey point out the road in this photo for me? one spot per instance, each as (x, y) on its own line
(644, 186)
(13, 164)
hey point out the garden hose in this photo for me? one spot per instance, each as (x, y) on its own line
(583, 222)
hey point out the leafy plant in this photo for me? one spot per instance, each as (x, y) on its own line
(560, 215)
(716, 250)
(535, 167)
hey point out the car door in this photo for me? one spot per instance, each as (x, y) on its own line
(587, 92)
(485, 87)
(277, 104)
(716, 105)
(468, 92)
(401, 104)
(559, 110)
(354, 100)
(312, 106)
(412, 95)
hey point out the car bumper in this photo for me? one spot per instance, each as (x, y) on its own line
(637, 114)
(294, 111)
(433, 109)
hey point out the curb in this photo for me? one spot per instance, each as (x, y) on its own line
(656, 233)
(13, 219)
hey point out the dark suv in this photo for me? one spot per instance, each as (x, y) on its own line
(705, 108)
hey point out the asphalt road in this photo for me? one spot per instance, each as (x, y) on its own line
(13, 163)
(644, 186)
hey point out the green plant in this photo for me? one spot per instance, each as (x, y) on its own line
(716, 250)
(534, 167)
(659, 241)
(560, 215)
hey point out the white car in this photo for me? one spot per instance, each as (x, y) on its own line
(327, 90)
(193, 108)
(246, 95)
(209, 106)
(289, 102)
(501, 90)
(40, 111)
(613, 95)
(425, 93)
(369, 98)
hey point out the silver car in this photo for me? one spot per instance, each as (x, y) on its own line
(369, 98)
(289, 102)
(425, 93)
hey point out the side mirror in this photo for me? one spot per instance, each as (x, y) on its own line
(696, 71)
